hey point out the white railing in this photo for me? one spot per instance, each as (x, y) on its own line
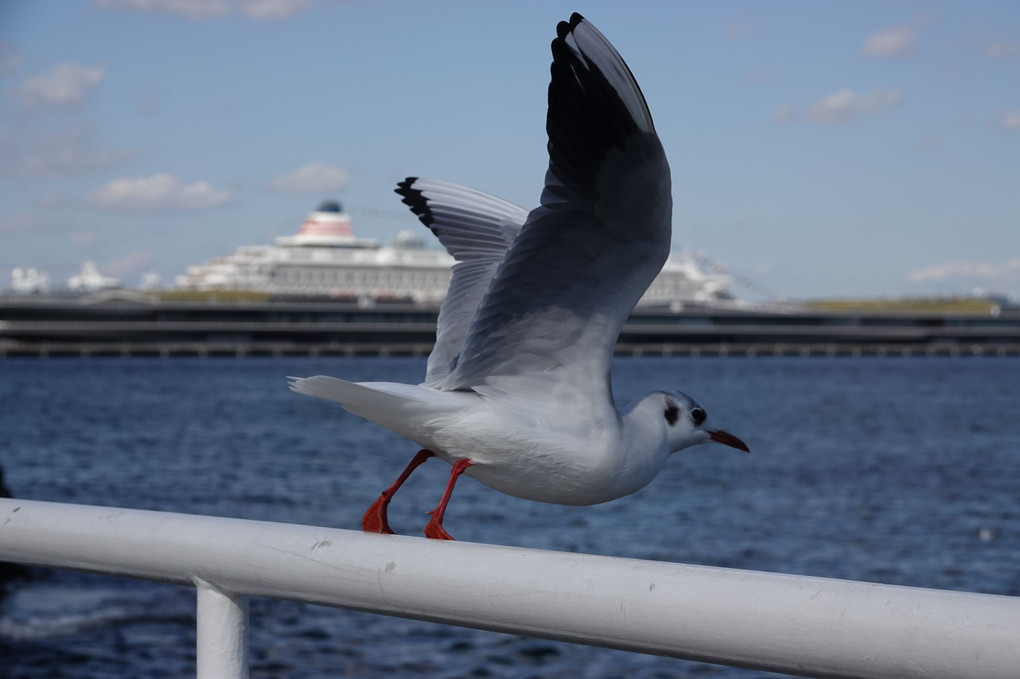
(795, 624)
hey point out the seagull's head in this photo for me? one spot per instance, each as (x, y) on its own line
(687, 424)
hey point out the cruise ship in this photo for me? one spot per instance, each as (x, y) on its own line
(326, 259)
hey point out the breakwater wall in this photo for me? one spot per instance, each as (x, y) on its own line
(145, 327)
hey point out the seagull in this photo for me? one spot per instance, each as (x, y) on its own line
(517, 389)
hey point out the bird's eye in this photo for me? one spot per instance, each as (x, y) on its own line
(698, 415)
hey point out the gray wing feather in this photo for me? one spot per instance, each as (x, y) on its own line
(476, 229)
(583, 258)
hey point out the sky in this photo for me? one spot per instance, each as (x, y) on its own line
(817, 149)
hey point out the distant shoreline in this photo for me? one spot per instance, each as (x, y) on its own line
(200, 351)
(948, 305)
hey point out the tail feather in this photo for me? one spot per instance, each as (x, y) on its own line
(360, 399)
(388, 404)
(329, 388)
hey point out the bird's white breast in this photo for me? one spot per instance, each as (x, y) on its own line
(536, 452)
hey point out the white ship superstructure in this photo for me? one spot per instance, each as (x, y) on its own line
(29, 281)
(90, 279)
(682, 281)
(325, 259)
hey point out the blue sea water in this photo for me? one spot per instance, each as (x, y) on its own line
(902, 471)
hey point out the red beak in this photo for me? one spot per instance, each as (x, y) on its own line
(728, 439)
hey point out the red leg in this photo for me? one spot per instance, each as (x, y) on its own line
(434, 529)
(374, 520)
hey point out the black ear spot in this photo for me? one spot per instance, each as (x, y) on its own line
(698, 415)
(672, 413)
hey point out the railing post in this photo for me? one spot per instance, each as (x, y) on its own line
(221, 633)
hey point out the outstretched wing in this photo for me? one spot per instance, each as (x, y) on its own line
(476, 229)
(557, 303)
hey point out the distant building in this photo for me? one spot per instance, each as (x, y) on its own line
(89, 279)
(27, 281)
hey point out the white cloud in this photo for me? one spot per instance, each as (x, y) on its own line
(1011, 120)
(131, 263)
(9, 152)
(83, 238)
(988, 273)
(146, 104)
(846, 105)
(10, 58)
(267, 10)
(738, 29)
(200, 10)
(784, 114)
(927, 144)
(160, 192)
(897, 41)
(65, 84)
(22, 222)
(56, 201)
(1002, 50)
(312, 178)
(189, 9)
(66, 154)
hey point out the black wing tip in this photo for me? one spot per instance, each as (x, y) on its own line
(416, 200)
(595, 103)
(565, 27)
(406, 184)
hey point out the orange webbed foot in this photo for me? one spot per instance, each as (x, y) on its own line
(434, 529)
(375, 519)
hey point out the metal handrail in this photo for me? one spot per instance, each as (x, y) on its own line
(786, 623)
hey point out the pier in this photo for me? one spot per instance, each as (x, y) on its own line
(242, 350)
(134, 326)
